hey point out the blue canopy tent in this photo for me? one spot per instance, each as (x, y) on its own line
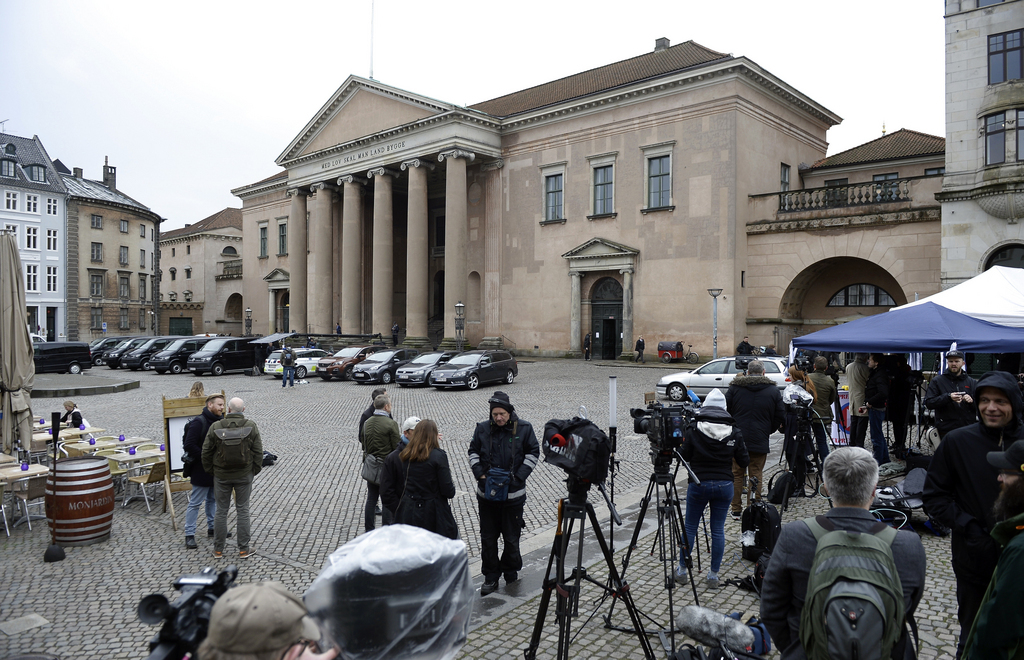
(924, 327)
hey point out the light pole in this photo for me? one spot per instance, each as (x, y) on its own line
(460, 325)
(714, 297)
(248, 321)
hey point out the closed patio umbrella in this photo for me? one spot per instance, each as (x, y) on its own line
(17, 370)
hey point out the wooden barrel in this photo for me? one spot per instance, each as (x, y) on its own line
(80, 500)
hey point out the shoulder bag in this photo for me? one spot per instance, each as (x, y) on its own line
(372, 467)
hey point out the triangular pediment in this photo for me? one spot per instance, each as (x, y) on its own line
(277, 275)
(360, 107)
(600, 247)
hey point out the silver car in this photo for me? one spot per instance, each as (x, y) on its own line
(718, 374)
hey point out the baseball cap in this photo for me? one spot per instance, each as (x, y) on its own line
(258, 618)
(410, 423)
(1011, 459)
(954, 354)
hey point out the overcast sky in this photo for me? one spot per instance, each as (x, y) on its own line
(192, 99)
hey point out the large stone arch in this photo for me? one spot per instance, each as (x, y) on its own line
(808, 294)
(233, 308)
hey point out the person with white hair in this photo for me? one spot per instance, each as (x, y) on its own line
(711, 447)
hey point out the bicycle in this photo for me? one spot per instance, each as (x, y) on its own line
(691, 355)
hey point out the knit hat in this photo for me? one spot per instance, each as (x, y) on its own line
(410, 423)
(715, 398)
(500, 400)
(1011, 459)
(258, 618)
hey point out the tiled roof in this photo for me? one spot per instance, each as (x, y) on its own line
(29, 151)
(903, 143)
(228, 217)
(89, 189)
(650, 65)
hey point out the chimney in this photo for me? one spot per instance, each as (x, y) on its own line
(661, 44)
(109, 174)
(78, 172)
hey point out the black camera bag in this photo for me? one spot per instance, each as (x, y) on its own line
(579, 447)
(781, 487)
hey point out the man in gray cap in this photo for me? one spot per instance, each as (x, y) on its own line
(259, 620)
(999, 627)
(503, 443)
(951, 396)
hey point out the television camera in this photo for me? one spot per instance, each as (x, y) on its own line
(187, 620)
(665, 427)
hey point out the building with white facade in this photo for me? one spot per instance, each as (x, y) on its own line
(34, 210)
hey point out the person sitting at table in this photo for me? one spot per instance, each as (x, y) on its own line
(72, 417)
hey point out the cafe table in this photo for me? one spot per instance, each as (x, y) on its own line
(11, 473)
(68, 434)
(7, 458)
(133, 462)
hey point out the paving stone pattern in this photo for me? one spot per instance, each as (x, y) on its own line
(311, 503)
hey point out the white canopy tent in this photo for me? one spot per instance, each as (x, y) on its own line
(996, 296)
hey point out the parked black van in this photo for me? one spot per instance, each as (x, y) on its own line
(101, 346)
(112, 358)
(60, 357)
(223, 354)
(138, 357)
(175, 355)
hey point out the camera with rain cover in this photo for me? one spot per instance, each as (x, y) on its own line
(579, 447)
(797, 400)
(187, 620)
(665, 426)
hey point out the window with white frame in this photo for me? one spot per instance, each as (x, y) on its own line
(11, 201)
(263, 239)
(97, 222)
(142, 231)
(7, 168)
(96, 285)
(32, 203)
(36, 173)
(31, 277)
(31, 238)
(553, 182)
(123, 321)
(96, 252)
(51, 278)
(95, 318)
(142, 258)
(51, 206)
(658, 175)
(602, 169)
(123, 255)
(142, 287)
(124, 286)
(51, 240)
(124, 226)
(783, 177)
(995, 139)
(282, 239)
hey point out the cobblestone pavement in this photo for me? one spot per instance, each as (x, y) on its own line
(311, 503)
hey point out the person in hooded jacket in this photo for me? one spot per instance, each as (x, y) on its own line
(710, 447)
(962, 487)
(756, 405)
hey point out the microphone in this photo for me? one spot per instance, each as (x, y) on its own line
(711, 628)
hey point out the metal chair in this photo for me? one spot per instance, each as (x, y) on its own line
(117, 473)
(32, 488)
(154, 476)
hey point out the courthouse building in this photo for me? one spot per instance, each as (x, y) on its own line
(607, 202)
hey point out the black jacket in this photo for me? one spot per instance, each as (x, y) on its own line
(962, 486)
(418, 492)
(193, 445)
(510, 447)
(876, 392)
(640, 345)
(711, 458)
(744, 348)
(949, 414)
(756, 405)
(75, 418)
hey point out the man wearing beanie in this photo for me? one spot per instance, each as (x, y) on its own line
(261, 620)
(502, 444)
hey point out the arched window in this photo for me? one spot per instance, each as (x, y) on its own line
(1011, 256)
(229, 250)
(861, 295)
(174, 273)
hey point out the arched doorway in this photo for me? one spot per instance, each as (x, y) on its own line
(233, 308)
(1011, 256)
(606, 324)
(282, 311)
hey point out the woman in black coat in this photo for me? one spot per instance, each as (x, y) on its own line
(418, 486)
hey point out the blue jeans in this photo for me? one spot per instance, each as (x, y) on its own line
(289, 375)
(198, 495)
(719, 495)
(876, 416)
(821, 436)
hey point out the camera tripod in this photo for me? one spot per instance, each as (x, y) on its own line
(662, 487)
(803, 438)
(567, 587)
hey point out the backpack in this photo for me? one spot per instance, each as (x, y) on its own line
(854, 605)
(781, 487)
(765, 522)
(234, 451)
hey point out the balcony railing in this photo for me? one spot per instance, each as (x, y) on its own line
(834, 197)
(230, 270)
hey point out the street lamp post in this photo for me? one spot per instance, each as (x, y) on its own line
(460, 325)
(248, 321)
(714, 297)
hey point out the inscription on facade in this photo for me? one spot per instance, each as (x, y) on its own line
(360, 155)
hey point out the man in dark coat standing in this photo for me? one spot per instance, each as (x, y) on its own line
(639, 348)
(962, 486)
(876, 393)
(586, 347)
(756, 404)
(508, 443)
(950, 395)
(202, 481)
(394, 333)
(744, 347)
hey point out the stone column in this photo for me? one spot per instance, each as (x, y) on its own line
(383, 252)
(297, 262)
(336, 259)
(351, 258)
(455, 237)
(492, 255)
(417, 269)
(321, 268)
(272, 313)
(627, 314)
(575, 304)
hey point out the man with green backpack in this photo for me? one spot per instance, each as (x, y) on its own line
(233, 454)
(843, 585)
